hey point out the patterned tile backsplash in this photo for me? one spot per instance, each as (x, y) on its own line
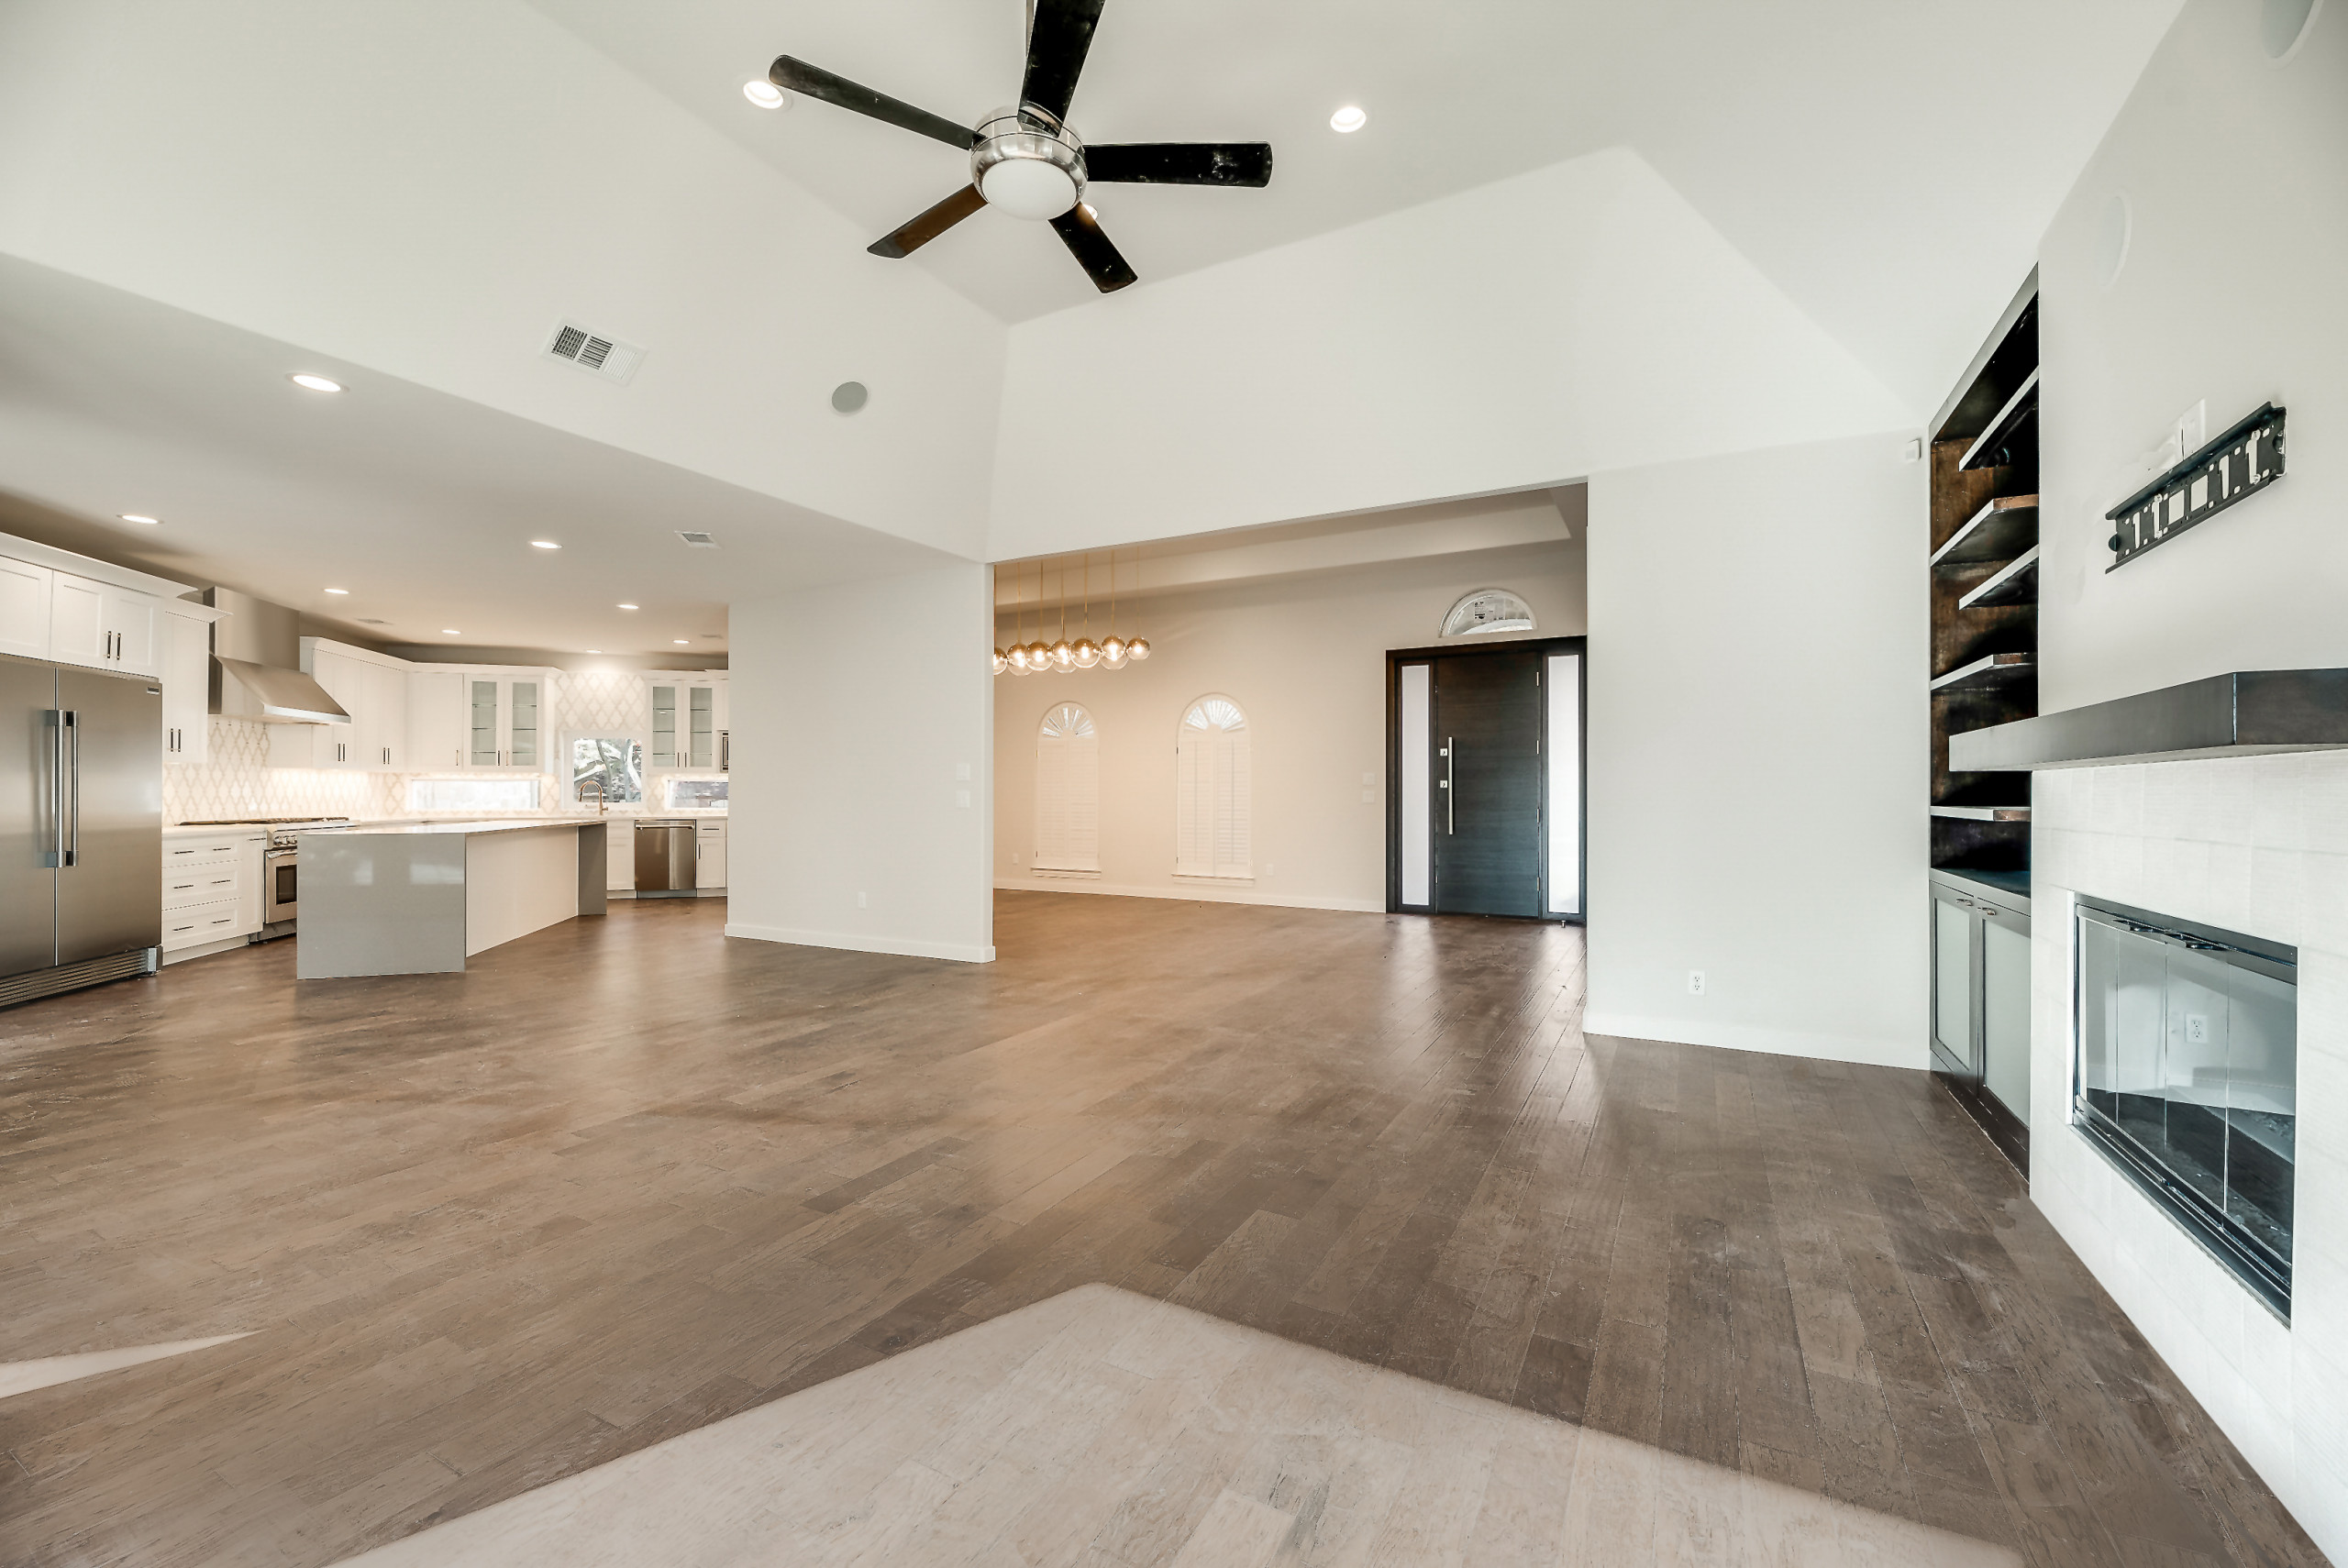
(237, 783)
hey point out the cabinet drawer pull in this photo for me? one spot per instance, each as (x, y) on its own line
(177, 929)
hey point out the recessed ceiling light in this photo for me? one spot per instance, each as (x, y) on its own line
(544, 545)
(1348, 119)
(338, 591)
(134, 517)
(595, 651)
(315, 383)
(764, 94)
(449, 632)
(682, 642)
(628, 607)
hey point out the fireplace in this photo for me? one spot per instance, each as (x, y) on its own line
(2187, 1078)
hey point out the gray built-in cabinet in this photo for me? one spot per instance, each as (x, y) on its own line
(1981, 1003)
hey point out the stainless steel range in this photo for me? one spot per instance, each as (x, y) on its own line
(281, 864)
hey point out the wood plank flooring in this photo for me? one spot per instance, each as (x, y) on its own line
(624, 1178)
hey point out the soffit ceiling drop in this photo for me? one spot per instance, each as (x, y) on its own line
(1889, 170)
(421, 505)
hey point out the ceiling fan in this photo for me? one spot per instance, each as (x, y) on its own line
(1025, 160)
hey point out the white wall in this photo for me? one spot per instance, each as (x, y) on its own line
(1579, 317)
(1758, 752)
(849, 744)
(1305, 658)
(425, 188)
(2235, 171)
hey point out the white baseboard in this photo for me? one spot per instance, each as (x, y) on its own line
(1761, 1042)
(852, 941)
(1206, 893)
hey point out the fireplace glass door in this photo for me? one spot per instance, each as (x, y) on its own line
(2189, 1077)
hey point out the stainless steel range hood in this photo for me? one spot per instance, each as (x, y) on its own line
(257, 665)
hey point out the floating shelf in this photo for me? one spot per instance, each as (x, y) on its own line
(1996, 669)
(1998, 532)
(2247, 713)
(2017, 408)
(1984, 814)
(2016, 583)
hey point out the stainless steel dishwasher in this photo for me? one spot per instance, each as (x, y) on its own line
(664, 863)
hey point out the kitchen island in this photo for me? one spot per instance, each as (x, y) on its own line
(421, 899)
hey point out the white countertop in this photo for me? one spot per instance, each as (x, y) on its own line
(493, 824)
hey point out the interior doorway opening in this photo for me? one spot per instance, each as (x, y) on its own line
(1485, 771)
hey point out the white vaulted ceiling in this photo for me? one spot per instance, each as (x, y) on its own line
(1571, 236)
(1889, 163)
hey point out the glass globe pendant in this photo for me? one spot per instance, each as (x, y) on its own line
(1063, 657)
(1087, 653)
(999, 663)
(1113, 650)
(1139, 648)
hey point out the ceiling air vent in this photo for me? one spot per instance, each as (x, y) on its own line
(698, 540)
(590, 351)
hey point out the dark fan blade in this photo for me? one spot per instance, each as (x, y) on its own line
(798, 76)
(1057, 43)
(1080, 231)
(1181, 163)
(912, 235)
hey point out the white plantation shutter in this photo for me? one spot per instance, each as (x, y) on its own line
(1212, 792)
(1067, 792)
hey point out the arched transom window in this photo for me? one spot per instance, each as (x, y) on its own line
(1211, 794)
(1068, 790)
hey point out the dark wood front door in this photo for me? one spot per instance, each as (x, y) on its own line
(1487, 799)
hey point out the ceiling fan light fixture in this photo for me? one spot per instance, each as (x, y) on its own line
(1350, 119)
(764, 94)
(1029, 187)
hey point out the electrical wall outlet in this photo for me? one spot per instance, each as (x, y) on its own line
(963, 798)
(1269, 867)
(2196, 1029)
(860, 900)
(961, 773)
(1695, 982)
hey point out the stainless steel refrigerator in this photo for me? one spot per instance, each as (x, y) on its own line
(80, 826)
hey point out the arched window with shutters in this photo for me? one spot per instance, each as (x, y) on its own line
(1068, 790)
(1211, 791)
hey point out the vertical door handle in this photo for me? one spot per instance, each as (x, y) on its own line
(73, 846)
(1450, 773)
(53, 720)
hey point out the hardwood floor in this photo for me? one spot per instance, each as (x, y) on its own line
(624, 1178)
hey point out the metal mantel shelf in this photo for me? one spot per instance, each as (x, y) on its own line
(2247, 713)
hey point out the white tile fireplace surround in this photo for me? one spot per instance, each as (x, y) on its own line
(2257, 844)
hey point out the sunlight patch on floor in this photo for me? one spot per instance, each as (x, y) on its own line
(1103, 1427)
(24, 1376)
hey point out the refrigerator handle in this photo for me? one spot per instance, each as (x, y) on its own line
(52, 720)
(74, 846)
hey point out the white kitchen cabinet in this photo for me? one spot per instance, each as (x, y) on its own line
(127, 621)
(101, 625)
(183, 658)
(25, 591)
(508, 718)
(57, 605)
(77, 620)
(688, 714)
(211, 887)
(619, 854)
(709, 853)
(383, 726)
(436, 719)
(372, 689)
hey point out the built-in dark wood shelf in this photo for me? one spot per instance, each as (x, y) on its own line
(2015, 583)
(1998, 532)
(1995, 669)
(1983, 813)
(2020, 406)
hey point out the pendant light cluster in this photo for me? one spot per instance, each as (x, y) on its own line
(1061, 656)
